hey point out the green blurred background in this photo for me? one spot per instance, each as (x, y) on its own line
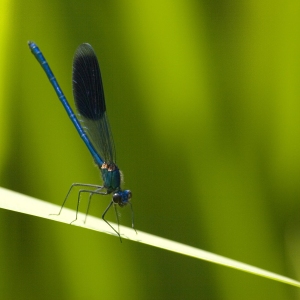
(203, 99)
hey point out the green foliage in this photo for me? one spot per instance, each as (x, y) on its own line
(203, 101)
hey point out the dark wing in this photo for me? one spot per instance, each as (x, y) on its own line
(90, 102)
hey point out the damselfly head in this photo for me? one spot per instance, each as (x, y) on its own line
(122, 197)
